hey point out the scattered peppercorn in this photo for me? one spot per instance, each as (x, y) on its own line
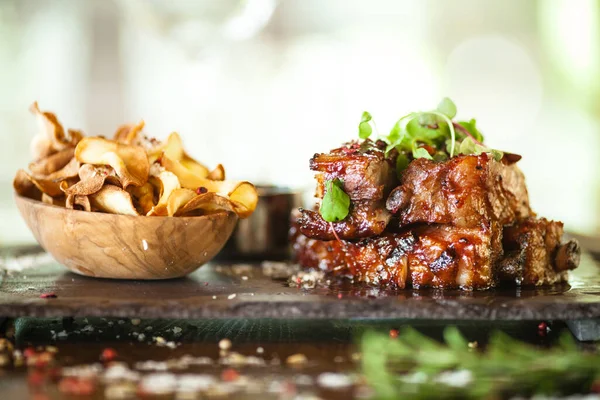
(108, 354)
(229, 375)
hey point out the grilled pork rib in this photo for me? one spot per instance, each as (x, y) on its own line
(465, 191)
(364, 169)
(462, 223)
(367, 176)
(535, 254)
(443, 256)
(366, 218)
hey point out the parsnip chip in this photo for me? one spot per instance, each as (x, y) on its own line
(173, 148)
(49, 184)
(129, 162)
(55, 201)
(242, 194)
(53, 163)
(178, 199)
(92, 180)
(46, 186)
(144, 196)
(52, 132)
(217, 174)
(208, 202)
(75, 200)
(114, 200)
(128, 133)
(23, 185)
(133, 174)
(168, 184)
(75, 136)
(68, 171)
(41, 147)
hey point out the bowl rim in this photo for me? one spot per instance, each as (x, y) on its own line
(39, 203)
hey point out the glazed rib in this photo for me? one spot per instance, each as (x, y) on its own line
(367, 176)
(424, 256)
(366, 219)
(465, 191)
(443, 256)
(535, 254)
(364, 169)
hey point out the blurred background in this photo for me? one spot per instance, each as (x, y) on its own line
(261, 85)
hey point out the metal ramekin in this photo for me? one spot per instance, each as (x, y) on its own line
(264, 235)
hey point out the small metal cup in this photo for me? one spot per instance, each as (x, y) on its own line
(264, 235)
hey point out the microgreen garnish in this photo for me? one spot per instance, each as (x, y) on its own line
(413, 365)
(421, 153)
(336, 203)
(364, 127)
(436, 130)
(447, 107)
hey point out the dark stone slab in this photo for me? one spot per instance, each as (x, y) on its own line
(261, 296)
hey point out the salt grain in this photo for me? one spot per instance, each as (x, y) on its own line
(225, 344)
(195, 382)
(231, 296)
(333, 380)
(296, 359)
(159, 383)
(118, 372)
(120, 391)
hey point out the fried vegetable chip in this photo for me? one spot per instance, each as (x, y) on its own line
(217, 174)
(75, 200)
(167, 182)
(144, 195)
(23, 185)
(52, 136)
(208, 202)
(52, 163)
(128, 133)
(178, 199)
(244, 194)
(49, 184)
(132, 174)
(114, 200)
(129, 162)
(173, 148)
(92, 180)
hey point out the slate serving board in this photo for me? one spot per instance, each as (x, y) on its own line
(245, 291)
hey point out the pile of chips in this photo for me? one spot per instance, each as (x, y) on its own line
(131, 174)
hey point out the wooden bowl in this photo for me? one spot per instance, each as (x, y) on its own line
(126, 247)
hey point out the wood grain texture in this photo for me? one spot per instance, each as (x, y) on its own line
(126, 247)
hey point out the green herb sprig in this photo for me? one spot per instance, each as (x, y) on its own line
(336, 203)
(414, 365)
(418, 134)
